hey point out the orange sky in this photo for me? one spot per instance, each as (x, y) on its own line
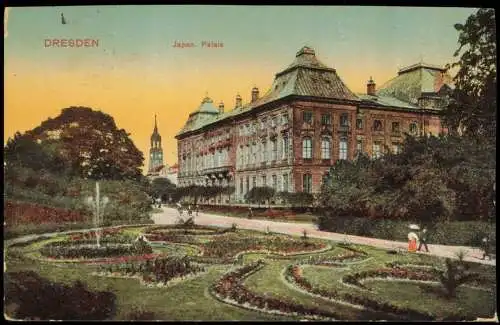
(136, 73)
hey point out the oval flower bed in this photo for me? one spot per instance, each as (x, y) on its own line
(229, 247)
(395, 273)
(293, 274)
(230, 289)
(161, 270)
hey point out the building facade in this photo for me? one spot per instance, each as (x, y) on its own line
(290, 137)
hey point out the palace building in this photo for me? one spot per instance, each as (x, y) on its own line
(289, 137)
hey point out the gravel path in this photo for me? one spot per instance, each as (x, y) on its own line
(170, 215)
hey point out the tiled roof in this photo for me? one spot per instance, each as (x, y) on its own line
(415, 80)
(306, 76)
(386, 101)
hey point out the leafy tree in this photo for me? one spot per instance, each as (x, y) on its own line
(91, 144)
(455, 274)
(259, 194)
(23, 150)
(161, 187)
(473, 106)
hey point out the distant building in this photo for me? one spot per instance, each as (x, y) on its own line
(290, 137)
(155, 152)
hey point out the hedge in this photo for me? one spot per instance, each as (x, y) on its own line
(459, 233)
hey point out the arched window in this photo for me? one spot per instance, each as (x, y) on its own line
(326, 148)
(307, 148)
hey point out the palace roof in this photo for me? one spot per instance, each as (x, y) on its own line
(416, 81)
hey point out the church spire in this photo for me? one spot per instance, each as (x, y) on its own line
(156, 127)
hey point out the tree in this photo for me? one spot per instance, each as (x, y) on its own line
(23, 150)
(473, 105)
(91, 143)
(259, 194)
(455, 274)
(161, 187)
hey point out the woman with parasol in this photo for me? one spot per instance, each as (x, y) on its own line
(412, 238)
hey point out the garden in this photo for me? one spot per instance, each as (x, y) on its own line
(176, 272)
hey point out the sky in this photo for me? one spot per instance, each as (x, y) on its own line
(135, 72)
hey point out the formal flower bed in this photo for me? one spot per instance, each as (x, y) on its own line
(294, 274)
(23, 213)
(105, 233)
(394, 273)
(161, 270)
(230, 246)
(172, 238)
(333, 260)
(230, 289)
(77, 249)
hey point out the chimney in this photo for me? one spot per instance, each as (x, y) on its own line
(238, 101)
(221, 108)
(370, 87)
(255, 94)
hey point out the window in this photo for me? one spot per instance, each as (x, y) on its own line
(248, 185)
(343, 149)
(395, 127)
(344, 119)
(359, 124)
(264, 151)
(308, 117)
(275, 182)
(377, 146)
(247, 129)
(274, 153)
(326, 119)
(396, 148)
(284, 119)
(285, 148)
(307, 148)
(377, 125)
(254, 153)
(273, 122)
(413, 128)
(264, 181)
(359, 146)
(254, 181)
(263, 124)
(241, 186)
(285, 182)
(307, 183)
(326, 148)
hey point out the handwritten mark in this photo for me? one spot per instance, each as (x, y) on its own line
(63, 21)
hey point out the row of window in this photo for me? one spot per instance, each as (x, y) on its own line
(249, 129)
(326, 119)
(216, 159)
(326, 148)
(249, 154)
(279, 185)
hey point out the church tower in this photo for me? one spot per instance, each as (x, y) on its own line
(156, 152)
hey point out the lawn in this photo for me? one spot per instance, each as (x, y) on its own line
(273, 291)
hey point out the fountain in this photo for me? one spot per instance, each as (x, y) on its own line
(97, 206)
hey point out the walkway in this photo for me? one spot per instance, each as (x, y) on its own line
(170, 215)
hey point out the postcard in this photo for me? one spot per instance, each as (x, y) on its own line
(267, 163)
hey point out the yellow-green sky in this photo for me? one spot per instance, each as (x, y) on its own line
(135, 73)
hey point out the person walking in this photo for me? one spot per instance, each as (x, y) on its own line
(250, 213)
(486, 248)
(423, 240)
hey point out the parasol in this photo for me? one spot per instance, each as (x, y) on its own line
(414, 227)
(412, 235)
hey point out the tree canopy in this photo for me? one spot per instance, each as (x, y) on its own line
(473, 106)
(90, 144)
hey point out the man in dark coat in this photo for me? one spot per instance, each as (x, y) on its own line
(423, 240)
